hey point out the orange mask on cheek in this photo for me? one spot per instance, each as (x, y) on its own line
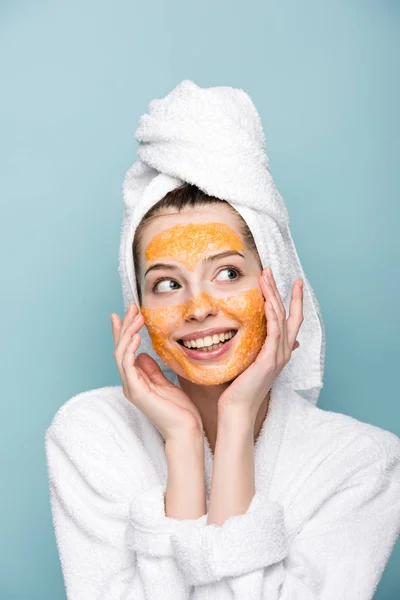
(189, 244)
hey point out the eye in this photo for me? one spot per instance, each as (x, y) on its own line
(231, 269)
(167, 288)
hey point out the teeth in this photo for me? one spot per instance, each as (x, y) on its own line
(213, 347)
(208, 341)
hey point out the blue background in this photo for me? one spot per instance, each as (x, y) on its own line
(76, 76)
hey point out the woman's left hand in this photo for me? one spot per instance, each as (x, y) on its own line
(247, 392)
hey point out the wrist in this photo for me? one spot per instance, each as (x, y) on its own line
(237, 419)
(185, 493)
(190, 440)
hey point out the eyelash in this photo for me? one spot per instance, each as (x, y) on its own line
(240, 271)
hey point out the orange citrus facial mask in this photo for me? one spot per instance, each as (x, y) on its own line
(189, 244)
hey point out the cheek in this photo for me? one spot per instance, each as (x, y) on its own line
(160, 322)
(248, 309)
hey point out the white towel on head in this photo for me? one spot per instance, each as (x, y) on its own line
(213, 138)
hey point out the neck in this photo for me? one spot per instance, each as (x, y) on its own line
(206, 397)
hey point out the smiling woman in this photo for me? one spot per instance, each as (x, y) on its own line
(210, 472)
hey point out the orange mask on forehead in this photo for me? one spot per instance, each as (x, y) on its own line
(189, 244)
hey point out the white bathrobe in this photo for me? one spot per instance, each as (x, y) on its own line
(322, 524)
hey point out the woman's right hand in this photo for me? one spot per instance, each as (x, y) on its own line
(169, 409)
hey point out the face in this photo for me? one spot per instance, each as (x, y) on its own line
(201, 301)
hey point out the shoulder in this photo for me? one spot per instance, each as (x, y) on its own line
(103, 408)
(94, 401)
(331, 425)
(323, 437)
(102, 422)
(332, 457)
(106, 440)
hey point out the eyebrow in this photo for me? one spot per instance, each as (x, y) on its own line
(207, 260)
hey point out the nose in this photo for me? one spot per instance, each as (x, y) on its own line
(200, 307)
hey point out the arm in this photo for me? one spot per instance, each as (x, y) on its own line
(107, 507)
(185, 496)
(333, 540)
(233, 485)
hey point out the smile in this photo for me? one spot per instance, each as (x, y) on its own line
(211, 351)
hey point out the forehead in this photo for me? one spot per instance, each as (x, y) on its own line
(200, 216)
(191, 235)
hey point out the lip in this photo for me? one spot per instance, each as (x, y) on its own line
(202, 334)
(209, 354)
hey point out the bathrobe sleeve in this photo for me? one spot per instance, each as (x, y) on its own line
(96, 470)
(334, 542)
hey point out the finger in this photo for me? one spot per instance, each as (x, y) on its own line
(268, 292)
(151, 368)
(272, 342)
(282, 351)
(285, 348)
(281, 320)
(128, 360)
(114, 326)
(288, 346)
(296, 316)
(131, 313)
(285, 351)
(126, 337)
(129, 373)
(117, 325)
(271, 280)
(269, 295)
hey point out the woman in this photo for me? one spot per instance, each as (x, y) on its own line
(210, 473)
